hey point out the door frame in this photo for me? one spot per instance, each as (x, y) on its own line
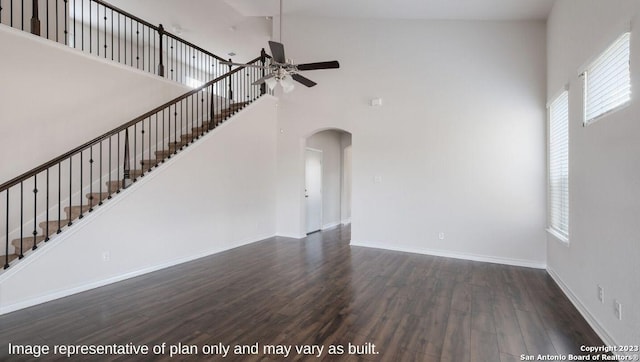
(306, 221)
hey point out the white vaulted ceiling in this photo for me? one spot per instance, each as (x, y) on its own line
(402, 9)
(243, 26)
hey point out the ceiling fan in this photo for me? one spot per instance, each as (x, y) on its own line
(283, 70)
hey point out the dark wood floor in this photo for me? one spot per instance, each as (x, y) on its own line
(319, 291)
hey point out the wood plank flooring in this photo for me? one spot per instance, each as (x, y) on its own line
(320, 291)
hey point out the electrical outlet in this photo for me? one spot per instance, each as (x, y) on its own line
(106, 256)
(441, 235)
(600, 294)
(617, 308)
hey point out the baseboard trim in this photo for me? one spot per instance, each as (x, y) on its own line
(330, 225)
(454, 255)
(290, 236)
(100, 283)
(584, 311)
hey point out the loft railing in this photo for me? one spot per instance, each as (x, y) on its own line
(42, 202)
(103, 30)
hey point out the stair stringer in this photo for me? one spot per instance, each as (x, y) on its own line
(217, 194)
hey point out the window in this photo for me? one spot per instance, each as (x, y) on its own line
(607, 81)
(559, 166)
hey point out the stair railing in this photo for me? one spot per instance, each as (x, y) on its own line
(99, 28)
(42, 202)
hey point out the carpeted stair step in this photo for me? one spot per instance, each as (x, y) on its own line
(74, 212)
(113, 186)
(189, 137)
(53, 226)
(217, 120)
(161, 155)
(169, 149)
(27, 242)
(12, 257)
(96, 197)
(147, 164)
(136, 173)
(236, 106)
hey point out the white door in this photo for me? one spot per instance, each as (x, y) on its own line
(313, 189)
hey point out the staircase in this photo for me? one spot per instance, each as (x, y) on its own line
(25, 245)
(47, 200)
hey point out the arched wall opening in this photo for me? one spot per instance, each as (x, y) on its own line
(332, 207)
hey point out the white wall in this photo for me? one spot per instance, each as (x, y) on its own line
(54, 98)
(330, 142)
(347, 172)
(604, 175)
(458, 144)
(170, 216)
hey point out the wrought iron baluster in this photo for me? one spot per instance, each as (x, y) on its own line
(81, 187)
(118, 163)
(6, 245)
(70, 185)
(59, 197)
(126, 177)
(21, 218)
(135, 149)
(142, 157)
(100, 178)
(90, 180)
(35, 210)
(105, 32)
(46, 235)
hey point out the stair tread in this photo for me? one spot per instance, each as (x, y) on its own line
(74, 212)
(12, 257)
(95, 197)
(63, 222)
(53, 225)
(75, 207)
(27, 242)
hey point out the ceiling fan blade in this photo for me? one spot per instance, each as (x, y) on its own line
(277, 52)
(306, 81)
(263, 79)
(244, 65)
(320, 65)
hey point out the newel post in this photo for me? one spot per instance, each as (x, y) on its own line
(161, 55)
(263, 61)
(35, 21)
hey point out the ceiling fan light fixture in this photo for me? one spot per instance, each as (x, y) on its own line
(271, 83)
(287, 84)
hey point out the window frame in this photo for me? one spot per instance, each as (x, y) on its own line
(600, 66)
(558, 167)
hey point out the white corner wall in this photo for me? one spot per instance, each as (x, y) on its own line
(54, 98)
(217, 194)
(458, 146)
(604, 176)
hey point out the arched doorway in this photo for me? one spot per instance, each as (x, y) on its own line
(327, 180)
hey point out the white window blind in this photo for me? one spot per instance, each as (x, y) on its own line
(559, 165)
(607, 81)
